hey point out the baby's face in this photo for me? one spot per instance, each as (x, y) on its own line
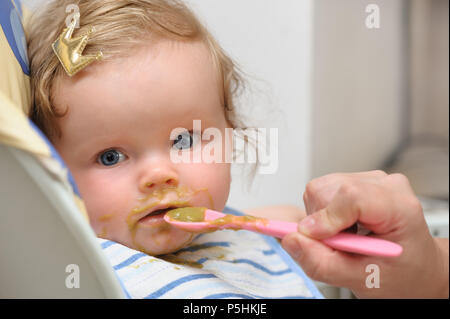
(116, 141)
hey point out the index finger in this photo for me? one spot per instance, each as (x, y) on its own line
(320, 191)
(362, 202)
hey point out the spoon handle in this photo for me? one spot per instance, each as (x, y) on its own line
(365, 245)
(352, 243)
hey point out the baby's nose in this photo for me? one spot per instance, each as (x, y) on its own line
(157, 178)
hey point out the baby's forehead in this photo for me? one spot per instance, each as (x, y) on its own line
(167, 51)
(175, 78)
(181, 60)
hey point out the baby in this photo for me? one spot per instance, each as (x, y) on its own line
(111, 122)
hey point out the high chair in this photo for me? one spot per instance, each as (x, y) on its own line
(47, 248)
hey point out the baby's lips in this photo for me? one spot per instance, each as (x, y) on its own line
(161, 206)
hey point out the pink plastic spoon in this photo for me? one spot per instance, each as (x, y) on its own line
(199, 219)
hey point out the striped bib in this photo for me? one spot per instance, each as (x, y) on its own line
(221, 264)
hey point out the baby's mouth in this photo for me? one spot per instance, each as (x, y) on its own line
(159, 213)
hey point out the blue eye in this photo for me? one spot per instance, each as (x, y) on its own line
(184, 141)
(110, 157)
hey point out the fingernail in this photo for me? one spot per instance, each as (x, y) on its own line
(307, 224)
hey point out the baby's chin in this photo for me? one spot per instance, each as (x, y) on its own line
(162, 244)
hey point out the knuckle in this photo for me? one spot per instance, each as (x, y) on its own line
(305, 197)
(414, 204)
(307, 203)
(379, 172)
(399, 178)
(310, 189)
(337, 176)
(352, 197)
(349, 191)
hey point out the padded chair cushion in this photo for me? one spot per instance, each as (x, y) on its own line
(15, 98)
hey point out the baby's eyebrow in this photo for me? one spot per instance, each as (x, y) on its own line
(91, 147)
(85, 151)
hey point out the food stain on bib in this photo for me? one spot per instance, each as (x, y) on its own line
(171, 258)
(150, 260)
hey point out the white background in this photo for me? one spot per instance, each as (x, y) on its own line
(271, 41)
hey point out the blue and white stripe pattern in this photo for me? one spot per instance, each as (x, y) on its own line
(222, 264)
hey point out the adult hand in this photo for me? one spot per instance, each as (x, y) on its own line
(387, 206)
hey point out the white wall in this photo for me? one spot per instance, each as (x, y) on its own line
(429, 69)
(359, 85)
(271, 41)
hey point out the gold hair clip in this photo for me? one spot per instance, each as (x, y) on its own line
(69, 51)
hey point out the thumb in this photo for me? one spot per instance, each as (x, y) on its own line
(325, 223)
(324, 264)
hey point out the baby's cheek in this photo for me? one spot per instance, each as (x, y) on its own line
(214, 179)
(105, 202)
